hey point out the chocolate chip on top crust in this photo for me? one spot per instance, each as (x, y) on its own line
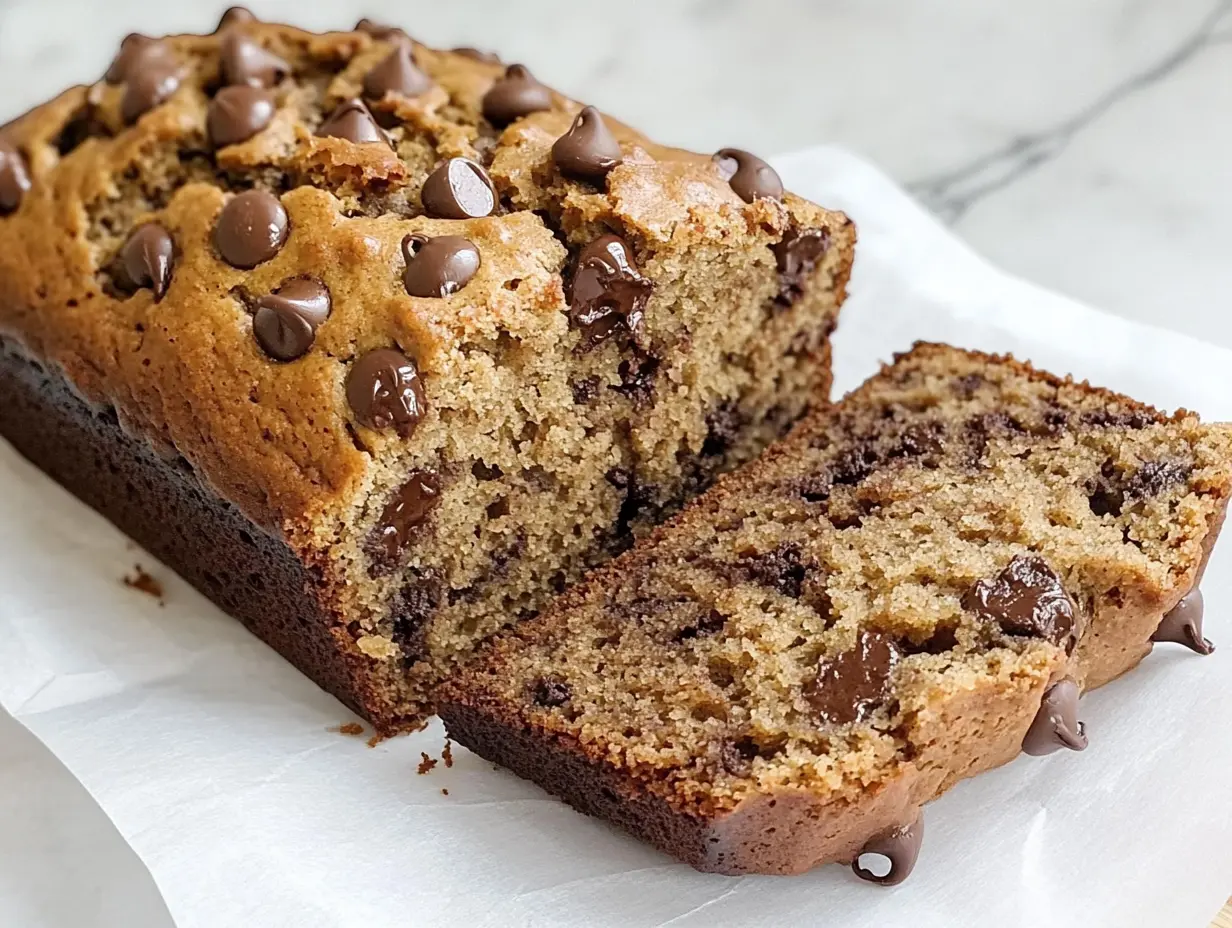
(899, 845)
(151, 78)
(353, 121)
(440, 266)
(407, 510)
(133, 47)
(1026, 598)
(608, 292)
(251, 229)
(244, 61)
(397, 73)
(797, 256)
(1056, 724)
(236, 16)
(1182, 624)
(515, 95)
(14, 178)
(381, 32)
(588, 151)
(285, 322)
(750, 177)
(238, 113)
(384, 391)
(850, 686)
(146, 258)
(459, 189)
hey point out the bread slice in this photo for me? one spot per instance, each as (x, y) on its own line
(917, 581)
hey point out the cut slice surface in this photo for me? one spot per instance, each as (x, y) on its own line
(874, 610)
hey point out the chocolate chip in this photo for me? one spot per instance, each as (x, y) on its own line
(440, 266)
(552, 693)
(851, 685)
(780, 569)
(381, 32)
(1056, 723)
(1026, 598)
(398, 74)
(724, 426)
(797, 256)
(384, 391)
(146, 258)
(133, 48)
(411, 611)
(1107, 419)
(710, 624)
(238, 113)
(899, 845)
(459, 189)
(586, 390)
(1182, 624)
(251, 229)
(152, 78)
(921, 440)
(737, 756)
(476, 54)
(353, 121)
(515, 95)
(588, 151)
(14, 179)
(405, 512)
(749, 176)
(285, 322)
(243, 61)
(608, 293)
(637, 379)
(236, 16)
(1154, 477)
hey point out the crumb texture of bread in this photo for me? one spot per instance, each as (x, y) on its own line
(446, 335)
(875, 609)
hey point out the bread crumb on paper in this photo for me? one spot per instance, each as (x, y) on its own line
(142, 582)
(427, 764)
(350, 728)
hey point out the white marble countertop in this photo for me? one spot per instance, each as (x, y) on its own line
(1084, 146)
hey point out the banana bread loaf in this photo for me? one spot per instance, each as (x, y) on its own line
(910, 589)
(380, 346)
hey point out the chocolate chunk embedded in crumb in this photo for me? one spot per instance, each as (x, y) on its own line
(438, 267)
(385, 392)
(608, 293)
(552, 693)
(853, 684)
(407, 510)
(1026, 598)
(797, 256)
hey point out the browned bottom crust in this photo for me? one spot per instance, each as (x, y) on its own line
(161, 503)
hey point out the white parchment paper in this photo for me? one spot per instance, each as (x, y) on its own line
(216, 761)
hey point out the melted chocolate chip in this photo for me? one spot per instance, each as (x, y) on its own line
(440, 266)
(780, 569)
(243, 61)
(850, 686)
(637, 379)
(588, 151)
(152, 78)
(1056, 723)
(411, 611)
(385, 392)
(585, 390)
(251, 229)
(236, 16)
(1155, 477)
(397, 74)
(14, 179)
(552, 693)
(285, 322)
(380, 31)
(749, 176)
(238, 113)
(515, 95)
(133, 47)
(1026, 598)
(1106, 419)
(1182, 624)
(797, 256)
(608, 292)
(899, 845)
(710, 624)
(459, 189)
(476, 54)
(353, 121)
(406, 511)
(146, 258)
(724, 426)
